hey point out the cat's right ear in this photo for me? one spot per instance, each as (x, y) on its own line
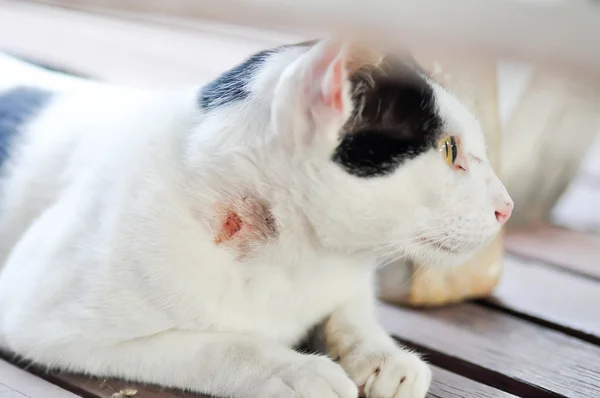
(315, 88)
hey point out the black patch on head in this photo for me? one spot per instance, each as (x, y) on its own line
(17, 106)
(395, 119)
(231, 86)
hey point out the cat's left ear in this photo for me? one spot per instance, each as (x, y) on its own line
(316, 87)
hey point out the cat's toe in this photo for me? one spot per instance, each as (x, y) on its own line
(395, 373)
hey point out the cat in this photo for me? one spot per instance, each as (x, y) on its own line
(191, 238)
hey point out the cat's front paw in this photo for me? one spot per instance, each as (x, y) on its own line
(314, 377)
(387, 373)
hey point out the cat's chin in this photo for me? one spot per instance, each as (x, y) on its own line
(431, 252)
(440, 256)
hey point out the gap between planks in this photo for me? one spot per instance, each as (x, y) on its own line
(549, 297)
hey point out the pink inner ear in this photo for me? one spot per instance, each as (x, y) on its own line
(329, 75)
(334, 82)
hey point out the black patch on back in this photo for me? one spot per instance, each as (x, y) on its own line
(17, 106)
(231, 86)
(395, 119)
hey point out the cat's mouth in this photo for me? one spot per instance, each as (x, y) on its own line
(453, 245)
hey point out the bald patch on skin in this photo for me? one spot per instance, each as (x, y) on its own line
(231, 226)
(242, 224)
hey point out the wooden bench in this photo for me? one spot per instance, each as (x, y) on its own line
(537, 336)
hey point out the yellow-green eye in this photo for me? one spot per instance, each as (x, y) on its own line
(449, 150)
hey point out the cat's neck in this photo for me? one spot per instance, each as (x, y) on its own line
(249, 210)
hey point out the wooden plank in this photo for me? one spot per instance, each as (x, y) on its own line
(499, 350)
(576, 251)
(17, 383)
(551, 296)
(102, 388)
(444, 385)
(449, 385)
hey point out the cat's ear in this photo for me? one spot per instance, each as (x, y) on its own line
(316, 88)
(324, 77)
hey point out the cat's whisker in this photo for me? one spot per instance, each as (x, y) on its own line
(419, 234)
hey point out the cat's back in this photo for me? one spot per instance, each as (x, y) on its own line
(42, 111)
(47, 119)
(65, 138)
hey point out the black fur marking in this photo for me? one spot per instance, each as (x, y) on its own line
(17, 106)
(395, 119)
(231, 85)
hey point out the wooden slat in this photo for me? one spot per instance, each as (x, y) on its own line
(17, 383)
(444, 385)
(561, 247)
(497, 349)
(101, 388)
(550, 295)
(449, 385)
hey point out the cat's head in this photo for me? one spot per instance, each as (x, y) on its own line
(377, 155)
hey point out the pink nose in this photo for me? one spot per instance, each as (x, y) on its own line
(503, 214)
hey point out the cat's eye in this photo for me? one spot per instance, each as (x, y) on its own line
(448, 148)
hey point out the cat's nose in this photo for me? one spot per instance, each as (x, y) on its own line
(503, 212)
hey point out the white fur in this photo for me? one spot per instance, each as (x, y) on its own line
(110, 266)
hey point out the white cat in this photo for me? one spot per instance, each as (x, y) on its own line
(191, 238)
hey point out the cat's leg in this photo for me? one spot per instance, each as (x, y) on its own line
(381, 368)
(222, 365)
